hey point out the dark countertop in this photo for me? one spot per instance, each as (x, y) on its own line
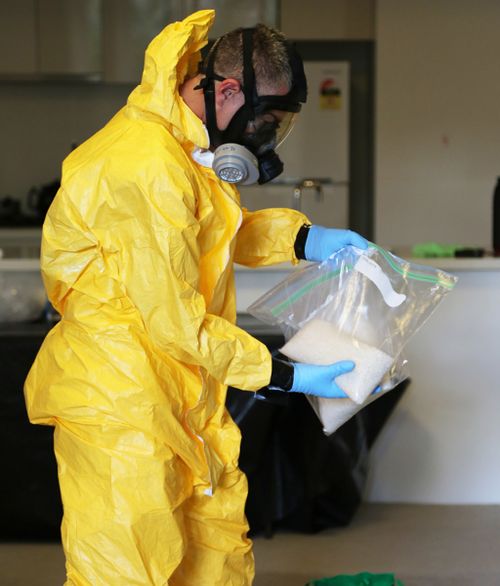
(244, 320)
(256, 327)
(24, 329)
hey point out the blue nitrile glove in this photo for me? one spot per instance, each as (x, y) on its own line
(322, 242)
(312, 379)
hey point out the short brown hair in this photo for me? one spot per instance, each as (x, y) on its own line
(270, 58)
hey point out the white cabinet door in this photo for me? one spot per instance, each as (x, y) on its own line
(69, 37)
(17, 37)
(231, 14)
(103, 38)
(129, 26)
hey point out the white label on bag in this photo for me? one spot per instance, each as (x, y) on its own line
(370, 269)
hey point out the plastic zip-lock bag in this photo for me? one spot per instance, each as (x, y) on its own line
(358, 305)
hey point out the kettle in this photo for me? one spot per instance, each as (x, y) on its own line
(40, 198)
(9, 208)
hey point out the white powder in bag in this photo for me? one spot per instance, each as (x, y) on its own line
(335, 412)
(320, 342)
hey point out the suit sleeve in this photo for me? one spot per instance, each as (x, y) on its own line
(267, 236)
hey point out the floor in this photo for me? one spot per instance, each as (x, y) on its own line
(421, 545)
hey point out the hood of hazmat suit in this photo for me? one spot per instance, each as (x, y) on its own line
(137, 257)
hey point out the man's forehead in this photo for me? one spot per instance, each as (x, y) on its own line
(280, 90)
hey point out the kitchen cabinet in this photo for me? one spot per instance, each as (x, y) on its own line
(102, 39)
(40, 38)
(231, 14)
(17, 37)
(69, 37)
(129, 26)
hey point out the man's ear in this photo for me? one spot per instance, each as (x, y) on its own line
(229, 89)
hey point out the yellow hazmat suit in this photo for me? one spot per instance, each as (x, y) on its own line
(137, 257)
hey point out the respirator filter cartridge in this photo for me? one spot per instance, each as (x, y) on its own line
(235, 164)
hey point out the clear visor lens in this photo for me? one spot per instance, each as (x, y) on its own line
(269, 129)
(287, 123)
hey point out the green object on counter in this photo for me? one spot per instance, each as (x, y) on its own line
(363, 579)
(434, 250)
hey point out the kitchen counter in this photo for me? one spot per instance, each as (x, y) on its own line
(21, 329)
(486, 263)
(440, 445)
(20, 234)
(252, 283)
(446, 263)
(256, 327)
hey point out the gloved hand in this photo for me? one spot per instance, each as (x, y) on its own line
(322, 242)
(312, 379)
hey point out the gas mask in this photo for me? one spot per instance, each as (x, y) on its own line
(244, 152)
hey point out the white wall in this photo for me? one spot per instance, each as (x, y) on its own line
(437, 120)
(327, 19)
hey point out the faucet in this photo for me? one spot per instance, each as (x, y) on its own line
(315, 184)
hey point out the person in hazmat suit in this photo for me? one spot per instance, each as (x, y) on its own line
(137, 255)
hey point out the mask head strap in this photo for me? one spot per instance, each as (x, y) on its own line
(207, 84)
(249, 85)
(239, 121)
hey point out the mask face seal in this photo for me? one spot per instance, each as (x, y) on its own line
(244, 152)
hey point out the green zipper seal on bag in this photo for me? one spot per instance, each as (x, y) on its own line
(303, 290)
(416, 276)
(448, 283)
